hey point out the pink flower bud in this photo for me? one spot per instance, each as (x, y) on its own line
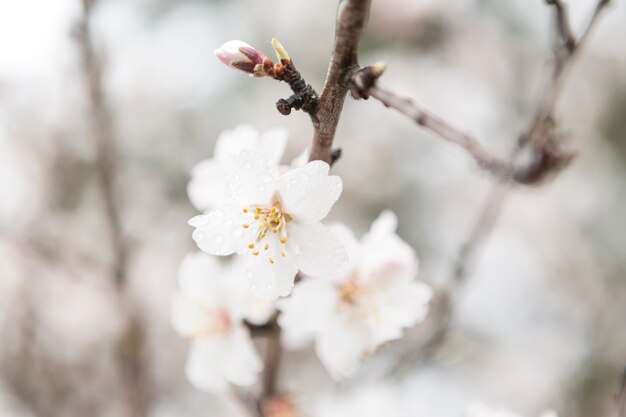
(243, 57)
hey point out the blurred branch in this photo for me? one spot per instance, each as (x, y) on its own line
(130, 349)
(562, 24)
(550, 158)
(104, 142)
(351, 19)
(536, 135)
(619, 409)
(273, 355)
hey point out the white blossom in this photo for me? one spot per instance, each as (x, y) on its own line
(209, 310)
(208, 187)
(369, 303)
(273, 219)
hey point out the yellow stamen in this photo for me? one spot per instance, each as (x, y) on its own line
(271, 260)
(283, 240)
(251, 245)
(245, 226)
(255, 253)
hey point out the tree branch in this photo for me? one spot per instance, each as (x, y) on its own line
(351, 19)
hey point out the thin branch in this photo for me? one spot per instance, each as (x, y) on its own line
(351, 19)
(273, 356)
(104, 143)
(548, 160)
(620, 398)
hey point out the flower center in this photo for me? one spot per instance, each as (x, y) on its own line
(215, 322)
(348, 292)
(269, 230)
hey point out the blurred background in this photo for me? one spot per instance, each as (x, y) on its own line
(539, 323)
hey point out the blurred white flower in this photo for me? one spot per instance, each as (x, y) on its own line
(209, 310)
(364, 401)
(274, 220)
(208, 187)
(369, 303)
(481, 410)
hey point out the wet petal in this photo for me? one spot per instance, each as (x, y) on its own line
(208, 187)
(317, 251)
(308, 193)
(251, 180)
(221, 231)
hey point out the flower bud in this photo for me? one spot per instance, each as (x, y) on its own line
(281, 53)
(243, 57)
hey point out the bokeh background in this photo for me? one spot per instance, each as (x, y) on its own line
(540, 321)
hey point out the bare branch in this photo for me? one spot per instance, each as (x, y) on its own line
(563, 25)
(351, 19)
(104, 143)
(273, 355)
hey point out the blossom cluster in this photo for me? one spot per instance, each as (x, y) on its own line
(260, 231)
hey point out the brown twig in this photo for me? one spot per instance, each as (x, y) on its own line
(351, 19)
(273, 355)
(130, 350)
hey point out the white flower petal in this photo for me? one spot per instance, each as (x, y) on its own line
(386, 256)
(351, 245)
(187, 315)
(232, 141)
(318, 252)
(400, 306)
(306, 312)
(198, 274)
(341, 346)
(214, 362)
(220, 232)
(203, 368)
(242, 363)
(259, 310)
(208, 187)
(271, 145)
(250, 179)
(308, 193)
(270, 280)
(387, 222)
